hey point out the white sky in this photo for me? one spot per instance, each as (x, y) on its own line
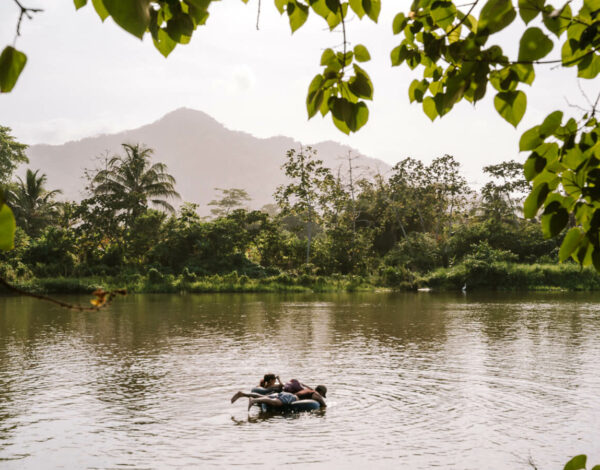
(84, 77)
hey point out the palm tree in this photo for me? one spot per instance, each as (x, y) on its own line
(34, 206)
(133, 182)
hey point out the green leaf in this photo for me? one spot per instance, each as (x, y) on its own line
(7, 228)
(417, 89)
(399, 55)
(340, 112)
(164, 43)
(372, 8)
(340, 124)
(12, 63)
(361, 84)
(334, 19)
(362, 115)
(79, 3)
(584, 253)
(533, 166)
(100, 9)
(468, 21)
(589, 67)
(429, 108)
(353, 115)
(557, 24)
(180, 28)
(535, 200)
(443, 13)
(298, 14)
(576, 463)
(361, 53)
(505, 79)
(324, 109)
(327, 57)
(530, 139)
(319, 7)
(399, 23)
(281, 4)
(198, 15)
(570, 243)
(529, 9)
(525, 72)
(495, 16)
(357, 7)
(333, 5)
(572, 158)
(551, 123)
(570, 53)
(131, 15)
(554, 219)
(534, 45)
(341, 109)
(315, 95)
(511, 105)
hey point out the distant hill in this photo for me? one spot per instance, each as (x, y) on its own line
(200, 153)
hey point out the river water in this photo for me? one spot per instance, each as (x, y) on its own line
(415, 381)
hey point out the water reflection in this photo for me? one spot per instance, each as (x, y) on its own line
(417, 380)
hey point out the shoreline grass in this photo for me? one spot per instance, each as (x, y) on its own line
(170, 284)
(502, 276)
(513, 277)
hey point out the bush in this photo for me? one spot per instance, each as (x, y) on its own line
(418, 252)
(188, 276)
(482, 252)
(512, 276)
(395, 277)
(155, 276)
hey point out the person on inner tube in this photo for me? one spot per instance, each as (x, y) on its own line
(286, 398)
(268, 382)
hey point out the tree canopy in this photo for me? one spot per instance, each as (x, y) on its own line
(12, 154)
(460, 52)
(32, 203)
(134, 181)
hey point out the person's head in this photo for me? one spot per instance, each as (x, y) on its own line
(268, 380)
(321, 390)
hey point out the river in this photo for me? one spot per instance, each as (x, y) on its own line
(459, 381)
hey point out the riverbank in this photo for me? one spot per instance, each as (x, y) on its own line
(513, 276)
(169, 284)
(476, 276)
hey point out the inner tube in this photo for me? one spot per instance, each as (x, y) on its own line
(298, 405)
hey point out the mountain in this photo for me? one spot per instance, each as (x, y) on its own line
(200, 153)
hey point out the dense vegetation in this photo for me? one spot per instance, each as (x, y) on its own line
(420, 226)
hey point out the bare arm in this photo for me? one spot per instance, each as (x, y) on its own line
(317, 397)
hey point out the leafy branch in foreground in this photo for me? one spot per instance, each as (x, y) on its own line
(12, 61)
(579, 463)
(101, 298)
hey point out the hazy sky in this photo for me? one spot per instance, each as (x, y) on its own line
(84, 77)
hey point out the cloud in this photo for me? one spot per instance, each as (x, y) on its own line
(242, 79)
(61, 130)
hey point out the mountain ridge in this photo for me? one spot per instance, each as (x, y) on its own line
(200, 152)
